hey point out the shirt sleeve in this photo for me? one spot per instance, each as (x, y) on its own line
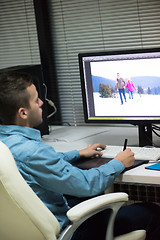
(70, 156)
(51, 170)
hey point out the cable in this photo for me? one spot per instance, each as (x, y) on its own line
(50, 102)
(156, 133)
(52, 105)
(154, 129)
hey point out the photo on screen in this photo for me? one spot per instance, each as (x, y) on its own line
(141, 94)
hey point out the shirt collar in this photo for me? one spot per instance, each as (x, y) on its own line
(27, 132)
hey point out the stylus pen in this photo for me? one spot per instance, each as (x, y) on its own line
(125, 144)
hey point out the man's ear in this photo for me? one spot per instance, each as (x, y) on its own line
(22, 112)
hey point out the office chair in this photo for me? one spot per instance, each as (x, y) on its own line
(23, 216)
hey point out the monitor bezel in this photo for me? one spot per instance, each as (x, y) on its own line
(139, 121)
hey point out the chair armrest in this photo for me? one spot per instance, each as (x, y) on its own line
(79, 213)
(135, 235)
(95, 205)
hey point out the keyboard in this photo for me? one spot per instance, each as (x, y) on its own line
(141, 153)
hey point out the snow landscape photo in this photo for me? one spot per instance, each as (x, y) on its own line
(144, 105)
(145, 74)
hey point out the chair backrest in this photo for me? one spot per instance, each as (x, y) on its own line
(22, 213)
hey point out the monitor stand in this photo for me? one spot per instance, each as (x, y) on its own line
(145, 134)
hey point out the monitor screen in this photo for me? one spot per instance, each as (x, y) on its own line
(121, 86)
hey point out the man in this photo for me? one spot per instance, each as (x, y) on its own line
(121, 85)
(51, 175)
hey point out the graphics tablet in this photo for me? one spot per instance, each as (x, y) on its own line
(87, 163)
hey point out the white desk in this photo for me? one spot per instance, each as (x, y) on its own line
(66, 138)
(140, 175)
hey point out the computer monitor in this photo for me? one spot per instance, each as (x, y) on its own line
(122, 87)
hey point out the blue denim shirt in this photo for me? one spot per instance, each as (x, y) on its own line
(50, 174)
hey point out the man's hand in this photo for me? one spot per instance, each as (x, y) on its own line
(126, 157)
(92, 150)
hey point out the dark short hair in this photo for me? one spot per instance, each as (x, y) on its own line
(13, 94)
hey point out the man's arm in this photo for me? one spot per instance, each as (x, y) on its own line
(126, 157)
(48, 169)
